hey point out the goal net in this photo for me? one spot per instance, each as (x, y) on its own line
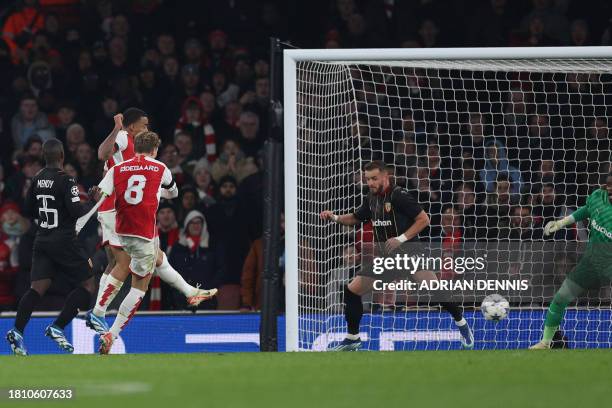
(491, 143)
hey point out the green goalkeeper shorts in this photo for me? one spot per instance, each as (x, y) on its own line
(592, 271)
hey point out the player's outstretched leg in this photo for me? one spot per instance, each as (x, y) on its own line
(467, 337)
(353, 311)
(168, 274)
(24, 311)
(78, 299)
(564, 296)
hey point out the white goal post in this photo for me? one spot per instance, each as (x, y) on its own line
(414, 107)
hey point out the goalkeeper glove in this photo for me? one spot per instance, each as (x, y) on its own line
(554, 226)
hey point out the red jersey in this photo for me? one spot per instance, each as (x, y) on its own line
(137, 183)
(124, 150)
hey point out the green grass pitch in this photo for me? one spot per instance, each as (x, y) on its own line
(558, 378)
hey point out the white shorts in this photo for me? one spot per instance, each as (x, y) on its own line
(109, 236)
(142, 252)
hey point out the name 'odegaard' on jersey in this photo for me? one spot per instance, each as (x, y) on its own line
(149, 167)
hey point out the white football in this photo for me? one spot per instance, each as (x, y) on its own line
(494, 307)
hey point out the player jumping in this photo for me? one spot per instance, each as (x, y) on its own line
(138, 183)
(116, 148)
(53, 199)
(397, 218)
(594, 268)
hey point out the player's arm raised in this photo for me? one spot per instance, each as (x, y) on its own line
(107, 147)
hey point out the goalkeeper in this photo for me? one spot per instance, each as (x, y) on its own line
(594, 268)
(397, 218)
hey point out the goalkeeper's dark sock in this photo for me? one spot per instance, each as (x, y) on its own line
(26, 305)
(454, 309)
(353, 310)
(79, 298)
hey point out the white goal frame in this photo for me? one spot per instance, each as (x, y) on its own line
(292, 57)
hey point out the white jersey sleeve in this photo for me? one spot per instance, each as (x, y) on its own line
(107, 185)
(169, 189)
(121, 140)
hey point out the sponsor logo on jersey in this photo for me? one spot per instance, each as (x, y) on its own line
(381, 223)
(388, 207)
(601, 229)
(45, 183)
(139, 167)
(74, 190)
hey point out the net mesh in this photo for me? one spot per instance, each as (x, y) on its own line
(439, 123)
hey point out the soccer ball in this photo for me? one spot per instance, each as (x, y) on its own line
(494, 307)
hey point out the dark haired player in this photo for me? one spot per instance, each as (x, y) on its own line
(53, 200)
(117, 148)
(396, 218)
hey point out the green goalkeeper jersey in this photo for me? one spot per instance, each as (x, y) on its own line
(599, 211)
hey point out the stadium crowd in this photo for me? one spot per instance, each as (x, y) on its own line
(200, 72)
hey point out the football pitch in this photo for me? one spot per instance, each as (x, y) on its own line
(517, 378)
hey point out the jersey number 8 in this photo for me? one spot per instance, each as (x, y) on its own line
(135, 186)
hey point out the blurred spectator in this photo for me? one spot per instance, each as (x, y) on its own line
(250, 141)
(473, 141)
(225, 91)
(553, 24)
(496, 164)
(103, 123)
(75, 136)
(228, 230)
(184, 148)
(194, 54)
(33, 147)
(29, 121)
(499, 203)
(193, 259)
(219, 57)
(252, 276)
(19, 28)
(188, 201)
(232, 162)
(491, 25)
(87, 166)
(472, 214)
(192, 121)
(8, 272)
(227, 127)
(2, 185)
(12, 227)
(536, 34)
(523, 227)
(203, 184)
(580, 34)
(18, 183)
(428, 34)
(66, 115)
(169, 156)
(166, 45)
(167, 226)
